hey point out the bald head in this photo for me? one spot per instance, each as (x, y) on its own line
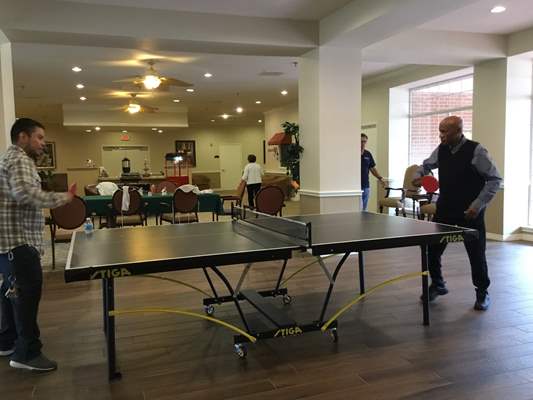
(451, 130)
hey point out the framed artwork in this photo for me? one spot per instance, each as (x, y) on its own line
(187, 149)
(47, 160)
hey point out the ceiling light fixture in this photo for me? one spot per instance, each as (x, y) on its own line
(284, 92)
(225, 116)
(239, 109)
(190, 90)
(76, 69)
(208, 75)
(160, 131)
(88, 130)
(212, 120)
(124, 131)
(260, 121)
(154, 129)
(258, 102)
(133, 108)
(498, 9)
(151, 81)
(97, 128)
(176, 100)
(83, 98)
(80, 86)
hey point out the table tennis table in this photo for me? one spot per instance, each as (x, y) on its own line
(248, 239)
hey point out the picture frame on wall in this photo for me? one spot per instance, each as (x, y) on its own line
(47, 160)
(187, 149)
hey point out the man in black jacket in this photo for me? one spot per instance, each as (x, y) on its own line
(468, 182)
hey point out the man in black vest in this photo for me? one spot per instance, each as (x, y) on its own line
(468, 182)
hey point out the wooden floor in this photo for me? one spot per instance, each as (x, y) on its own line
(383, 352)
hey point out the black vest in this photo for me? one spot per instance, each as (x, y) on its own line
(460, 183)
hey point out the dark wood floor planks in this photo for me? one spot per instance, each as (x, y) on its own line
(384, 352)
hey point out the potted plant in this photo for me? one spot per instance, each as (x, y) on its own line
(292, 152)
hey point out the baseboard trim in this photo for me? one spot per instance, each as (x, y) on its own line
(525, 236)
(340, 193)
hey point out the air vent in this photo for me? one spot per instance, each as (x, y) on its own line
(270, 73)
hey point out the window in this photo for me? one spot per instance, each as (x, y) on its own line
(429, 105)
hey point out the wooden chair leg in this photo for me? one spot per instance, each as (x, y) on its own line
(381, 209)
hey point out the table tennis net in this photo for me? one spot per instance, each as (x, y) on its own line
(290, 228)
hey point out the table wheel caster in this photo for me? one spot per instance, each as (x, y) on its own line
(334, 335)
(287, 299)
(240, 350)
(209, 310)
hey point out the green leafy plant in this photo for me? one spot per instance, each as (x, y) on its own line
(293, 150)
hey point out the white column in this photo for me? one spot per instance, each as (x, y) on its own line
(330, 124)
(7, 94)
(502, 123)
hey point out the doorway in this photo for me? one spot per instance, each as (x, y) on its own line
(230, 166)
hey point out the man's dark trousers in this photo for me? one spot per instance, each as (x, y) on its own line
(474, 248)
(19, 314)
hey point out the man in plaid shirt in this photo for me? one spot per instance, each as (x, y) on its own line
(21, 245)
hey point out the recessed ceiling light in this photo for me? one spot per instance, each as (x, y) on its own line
(88, 130)
(498, 9)
(80, 85)
(258, 102)
(225, 116)
(76, 69)
(176, 100)
(124, 131)
(212, 120)
(160, 131)
(239, 109)
(97, 128)
(260, 120)
(208, 75)
(154, 129)
(284, 92)
(190, 90)
(83, 98)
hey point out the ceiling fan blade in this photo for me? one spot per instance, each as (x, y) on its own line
(175, 82)
(134, 79)
(149, 109)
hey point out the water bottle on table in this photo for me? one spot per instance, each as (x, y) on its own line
(88, 226)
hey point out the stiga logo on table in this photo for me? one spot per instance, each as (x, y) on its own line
(452, 238)
(110, 273)
(293, 330)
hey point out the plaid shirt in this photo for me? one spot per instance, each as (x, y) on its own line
(22, 201)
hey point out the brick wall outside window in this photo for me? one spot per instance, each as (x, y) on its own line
(427, 106)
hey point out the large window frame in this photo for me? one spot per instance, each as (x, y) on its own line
(436, 112)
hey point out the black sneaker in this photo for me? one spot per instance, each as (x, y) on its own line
(482, 301)
(38, 364)
(435, 291)
(7, 352)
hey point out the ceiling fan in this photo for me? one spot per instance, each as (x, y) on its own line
(153, 80)
(134, 107)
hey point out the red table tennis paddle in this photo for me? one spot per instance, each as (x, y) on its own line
(430, 183)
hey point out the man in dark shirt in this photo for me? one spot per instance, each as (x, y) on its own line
(367, 165)
(468, 182)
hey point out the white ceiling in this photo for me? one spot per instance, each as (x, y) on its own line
(288, 9)
(478, 18)
(44, 81)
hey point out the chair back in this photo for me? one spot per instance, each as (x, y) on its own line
(185, 202)
(408, 177)
(71, 215)
(169, 186)
(135, 202)
(269, 200)
(90, 190)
